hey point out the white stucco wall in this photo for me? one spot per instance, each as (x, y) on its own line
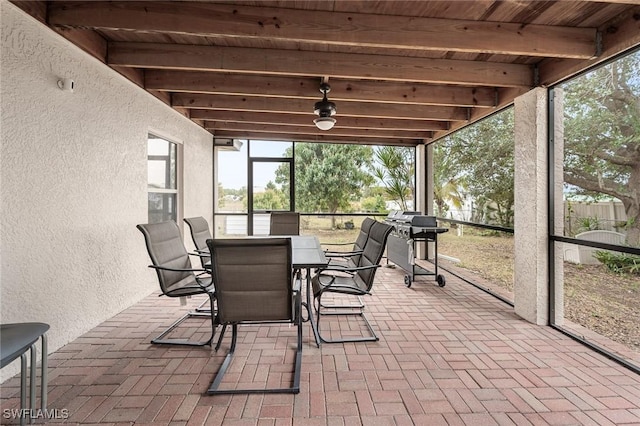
(73, 182)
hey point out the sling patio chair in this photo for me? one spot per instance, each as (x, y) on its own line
(351, 281)
(350, 259)
(284, 223)
(200, 233)
(255, 285)
(176, 276)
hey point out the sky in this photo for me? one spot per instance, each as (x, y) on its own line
(232, 165)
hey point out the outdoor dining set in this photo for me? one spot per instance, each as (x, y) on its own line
(263, 280)
(248, 281)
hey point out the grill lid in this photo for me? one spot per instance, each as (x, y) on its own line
(399, 216)
(423, 221)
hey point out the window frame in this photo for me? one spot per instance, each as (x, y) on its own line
(174, 151)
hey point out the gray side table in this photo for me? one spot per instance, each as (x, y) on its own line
(15, 341)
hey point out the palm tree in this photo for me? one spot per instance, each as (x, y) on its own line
(396, 172)
(447, 186)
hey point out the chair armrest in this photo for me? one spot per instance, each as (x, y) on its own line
(165, 268)
(337, 244)
(347, 268)
(200, 253)
(338, 287)
(343, 253)
(204, 287)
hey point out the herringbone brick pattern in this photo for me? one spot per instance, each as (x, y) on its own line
(446, 356)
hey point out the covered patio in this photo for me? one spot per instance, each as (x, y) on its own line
(446, 356)
(85, 84)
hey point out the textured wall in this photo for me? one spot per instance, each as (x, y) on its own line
(530, 221)
(73, 181)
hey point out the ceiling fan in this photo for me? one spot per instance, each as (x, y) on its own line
(325, 110)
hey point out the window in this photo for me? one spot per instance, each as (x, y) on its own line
(162, 179)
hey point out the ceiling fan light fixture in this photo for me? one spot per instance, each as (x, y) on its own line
(325, 109)
(325, 123)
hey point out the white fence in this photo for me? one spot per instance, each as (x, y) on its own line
(581, 216)
(578, 216)
(237, 225)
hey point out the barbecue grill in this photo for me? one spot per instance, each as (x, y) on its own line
(411, 227)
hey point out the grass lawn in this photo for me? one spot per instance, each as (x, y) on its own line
(594, 297)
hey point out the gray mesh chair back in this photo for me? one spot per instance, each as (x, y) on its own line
(200, 233)
(363, 236)
(254, 284)
(372, 253)
(166, 248)
(175, 274)
(253, 279)
(284, 223)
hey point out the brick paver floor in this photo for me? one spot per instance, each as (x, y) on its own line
(446, 356)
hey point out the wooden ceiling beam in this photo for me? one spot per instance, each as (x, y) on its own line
(302, 106)
(617, 37)
(311, 129)
(317, 64)
(328, 27)
(307, 119)
(308, 88)
(325, 137)
(636, 2)
(88, 40)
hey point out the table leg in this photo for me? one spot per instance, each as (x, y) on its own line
(32, 382)
(44, 377)
(309, 302)
(23, 387)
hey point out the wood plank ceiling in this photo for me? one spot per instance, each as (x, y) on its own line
(400, 72)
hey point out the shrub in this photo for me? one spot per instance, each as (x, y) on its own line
(588, 224)
(619, 262)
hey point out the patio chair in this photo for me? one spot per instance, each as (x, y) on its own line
(352, 281)
(352, 257)
(200, 233)
(284, 223)
(254, 284)
(176, 276)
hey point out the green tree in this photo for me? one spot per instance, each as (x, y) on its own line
(374, 204)
(271, 198)
(395, 169)
(483, 155)
(448, 185)
(602, 136)
(328, 177)
(221, 194)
